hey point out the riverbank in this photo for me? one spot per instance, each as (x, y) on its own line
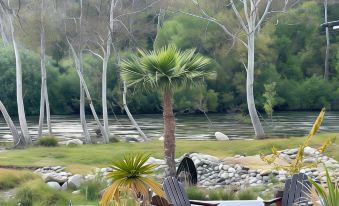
(84, 157)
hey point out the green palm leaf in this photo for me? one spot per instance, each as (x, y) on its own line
(131, 174)
(165, 69)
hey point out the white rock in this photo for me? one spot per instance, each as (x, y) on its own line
(221, 136)
(161, 138)
(75, 181)
(76, 192)
(74, 142)
(64, 186)
(231, 170)
(54, 185)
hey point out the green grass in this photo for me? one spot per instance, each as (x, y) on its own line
(12, 178)
(86, 156)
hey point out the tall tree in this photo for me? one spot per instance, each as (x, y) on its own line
(18, 140)
(165, 70)
(9, 13)
(326, 72)
(44, 101)
(250, 15)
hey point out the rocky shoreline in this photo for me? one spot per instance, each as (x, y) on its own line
(212, 172)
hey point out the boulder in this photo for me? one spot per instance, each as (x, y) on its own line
(64, 186)
(54, 177)
(74, 142)
(75, 181)
(161, 138)
(221, 136)
(54, 185)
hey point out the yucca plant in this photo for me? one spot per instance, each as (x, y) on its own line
(165, 70)
(131, 176)
(329, 196)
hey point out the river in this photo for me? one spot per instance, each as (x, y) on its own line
(196, 127)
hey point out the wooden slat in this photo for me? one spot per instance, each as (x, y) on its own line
(286, 191)
(181, 192)
(175, 192)
(299, 187)
(169, 192)
(292, 191)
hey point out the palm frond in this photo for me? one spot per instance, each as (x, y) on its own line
(167, 68)
(131, 174)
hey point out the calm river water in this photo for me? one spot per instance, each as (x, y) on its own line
(188, 126)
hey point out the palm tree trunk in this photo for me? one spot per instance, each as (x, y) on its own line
(169, 137)
(19, 97)
(18, 140)
(258, 129)
(134, 123)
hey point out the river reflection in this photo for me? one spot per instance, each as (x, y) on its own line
(188, 126)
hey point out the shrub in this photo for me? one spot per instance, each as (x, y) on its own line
(91, 188)
(221, 194)
(38, 193)
(195, 193)
(24, 196)
(47, 141)
(246, 195)
(12, 178)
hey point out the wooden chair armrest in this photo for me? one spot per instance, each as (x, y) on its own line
(275, 200)
(203, 203)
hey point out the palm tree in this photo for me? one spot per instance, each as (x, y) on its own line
(166, 70)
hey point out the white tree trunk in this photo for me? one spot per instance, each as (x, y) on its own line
(20, 102)
(82, 103)
(43, 80)
(18, 141)
(326, 72)
(134, 123)
(2, 30)
(107, 54)
(86, 92)
(48, 112)
(258, 129)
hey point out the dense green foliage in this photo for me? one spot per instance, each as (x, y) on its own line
(290, 50)
(47, 141)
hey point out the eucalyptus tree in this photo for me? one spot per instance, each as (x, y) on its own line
(75, 39)
(44, 101)
(18, 140)
(249, 16)
(10, 14)
(165, 70)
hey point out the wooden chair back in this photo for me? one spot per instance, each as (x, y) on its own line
(297, 190)
(175, 192)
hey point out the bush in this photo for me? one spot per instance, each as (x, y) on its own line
(221, 194)
(195, 193)
(48, 141)
(12, 178)
(92, 188)
(246, 195)
(38, 193)
(24, 196)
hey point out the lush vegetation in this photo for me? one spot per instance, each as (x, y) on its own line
(290, 53)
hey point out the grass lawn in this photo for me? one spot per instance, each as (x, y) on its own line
(83, 157)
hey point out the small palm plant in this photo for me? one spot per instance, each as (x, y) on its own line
(131, 176)
(166, 70)
(329, 196)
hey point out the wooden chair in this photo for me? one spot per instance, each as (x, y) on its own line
(176, 194)
(297, 191)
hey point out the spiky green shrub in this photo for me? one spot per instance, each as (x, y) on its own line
(329, 196)
(195, 193)
(131, 177)
(221, 194)
(47, 141)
